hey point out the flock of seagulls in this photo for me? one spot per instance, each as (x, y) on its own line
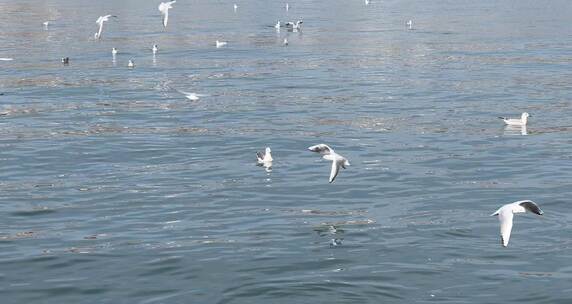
(264, 158)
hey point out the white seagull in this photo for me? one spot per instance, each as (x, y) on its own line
(100, 21)
(366, 2)
(219, 44)
(329, 154)
(164, 9)
(235, 7)
(409, 24)
(506, 213)
(287, 6)
(46, 24)
(114, 51)
(155, 49)
(515, 121)
(265, 159)
(285, 43)
(192, 96)
(277, 25)
(131, 63)
(294, 26)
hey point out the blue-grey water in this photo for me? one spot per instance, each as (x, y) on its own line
(114, 188)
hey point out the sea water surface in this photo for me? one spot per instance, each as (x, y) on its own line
(114, 188)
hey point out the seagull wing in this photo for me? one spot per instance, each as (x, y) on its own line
(323, 149)
(531, 207)
(335, 170)
(100, 29)
(260, 156)
(505, 219)
(165, 17)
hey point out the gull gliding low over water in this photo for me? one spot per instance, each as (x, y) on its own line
(192, 96)
(164, 9)
(506, 213)
(329, 154)
(515, 121)
(219, 44)
(100, 21)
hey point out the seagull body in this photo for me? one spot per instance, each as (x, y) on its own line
(192, 96)
(409, 24)
(131, 63)
(164, 9)
(235, 7)
(515, 121)
(100, 22)
(285, 43)
(265, 159)
(329, 154)
(287, 6)
(506, 213)
(114, 51)
(277, 25)
(294, 26)
(366, 2)
(66, 60)
(155, 49)
(46, 24)
(219, 44)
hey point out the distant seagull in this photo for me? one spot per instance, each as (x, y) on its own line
(294, 26)
(131, 63)
(366, 2)
(219, 44)
(6, 59)
(114, 51)
(235, 7)
(506, 213)
(285, 43)
(100, 21)
(265, 159)
(192, 96)
(277, 25)
(155, 49)
(46, 24)
(515, 121)
(164, 9)
(287, 6)
(329, 154)
(336, 242)
(409, 24)
(66, 60)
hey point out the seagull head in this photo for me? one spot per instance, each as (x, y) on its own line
(268, 151)
(525, 115)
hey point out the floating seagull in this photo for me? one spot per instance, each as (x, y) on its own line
(294, 26)
(100, 21)
(264, 157)
(192, 96)
(409, 24)
(287, 6)
(66, 60)
(235, 7)
(220, 43)
(336, 242)
(366, 2)
(329, 154)
(285, 43)
(114, 51)
(155, 49)
(506, 213)
(164, 9)
(277, 25)
(515, 121)
(131, 63)
(46, 24)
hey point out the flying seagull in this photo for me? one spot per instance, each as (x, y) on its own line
(220, 44)
(164, 9)
(515, 121)
(329, 154)
(506, 213)
(409, 24)
(192, 96)
(100, 21)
